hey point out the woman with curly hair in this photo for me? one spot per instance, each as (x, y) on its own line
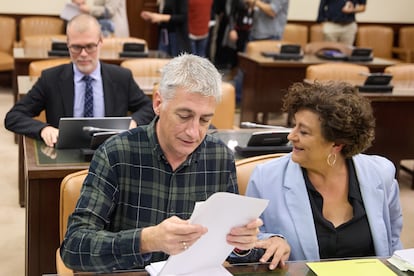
(327, 198)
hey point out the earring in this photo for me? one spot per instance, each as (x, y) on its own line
(331, 160)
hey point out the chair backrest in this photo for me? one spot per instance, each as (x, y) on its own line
(245, 167)
(258, 46)
(40, 25)
(69, 194)
(224, 115)
(379, 38)
(8, 36)
(41, 42)
(401, 72)
(145, 67)
(337, 71)
(115, 44)
(296, 33)
(35, 70)
(316, 33)
(36, 67)
(313, 47)
(406, 41)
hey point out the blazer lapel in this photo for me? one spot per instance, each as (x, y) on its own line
(373, 197)
(67, 88)
(297, 200)
(109, 88)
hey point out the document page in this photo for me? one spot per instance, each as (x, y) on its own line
(219, 213)
(357, 267)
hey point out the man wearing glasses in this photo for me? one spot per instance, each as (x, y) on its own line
(85, 87)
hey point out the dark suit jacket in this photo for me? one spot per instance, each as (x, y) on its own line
(54, 93)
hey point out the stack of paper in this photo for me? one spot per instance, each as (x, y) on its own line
(219, 213)
(403, 259)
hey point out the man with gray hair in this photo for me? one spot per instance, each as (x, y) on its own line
(143, 184)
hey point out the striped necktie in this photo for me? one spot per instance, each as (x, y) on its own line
(88, 104)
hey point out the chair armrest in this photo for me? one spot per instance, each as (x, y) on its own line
(407, 53)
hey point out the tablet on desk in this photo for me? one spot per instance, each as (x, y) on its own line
(77, 133)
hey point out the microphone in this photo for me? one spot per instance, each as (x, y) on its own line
(91, 130)
(254, 125)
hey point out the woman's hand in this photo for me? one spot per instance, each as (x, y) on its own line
(275, 247)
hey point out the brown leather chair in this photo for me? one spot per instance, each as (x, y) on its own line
(8, 27)
(379, 38)
(296, 33)
(115, 44)
(36, 67)
(40, 25)
(401, 72)
(40, 42)
(145, 67)
(337, 71)
(35, 70)
(69, 194)
(258, 46)
(224, 116)
(245, 167)
(405, 49)
(316, 33)
(313, 47)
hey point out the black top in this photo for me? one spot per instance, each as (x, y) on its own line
(331, 10)
(350, 239)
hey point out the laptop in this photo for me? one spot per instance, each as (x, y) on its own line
(361, 54)
(287, 52)
(376, 82)
(77, 133)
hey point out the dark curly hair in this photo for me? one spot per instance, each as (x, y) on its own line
(346, 116)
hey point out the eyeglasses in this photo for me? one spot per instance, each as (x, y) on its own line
(89, 48)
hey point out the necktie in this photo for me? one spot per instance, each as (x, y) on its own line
(88, 104)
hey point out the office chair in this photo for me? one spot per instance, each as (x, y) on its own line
(337, 71)
(258, 46)
(379, 38)
(316, 33)
(296, 33)
(8, 27)
(36, 67)
(401, 72)
(405, 49)
(69, 194)
(245, 167)
(40, 25)
(115, 44)
(145, 67)
(224, 116)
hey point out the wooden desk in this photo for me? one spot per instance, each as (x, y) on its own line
(43, 177)
(267, 80)
(22, 59)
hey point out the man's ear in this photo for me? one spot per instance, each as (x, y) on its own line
(156, 102)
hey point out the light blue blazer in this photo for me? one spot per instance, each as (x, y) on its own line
(289, 212)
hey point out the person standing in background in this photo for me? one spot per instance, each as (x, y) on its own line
(173, 26)
(111, 14)
(199, 15)
(270, 19)
(338, 18)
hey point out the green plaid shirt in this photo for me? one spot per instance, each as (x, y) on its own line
(130, 185)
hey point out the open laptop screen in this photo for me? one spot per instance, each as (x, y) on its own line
(76, 133)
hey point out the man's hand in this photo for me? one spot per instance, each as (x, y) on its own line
(49, 135)
(245, 237)
(172, 236)
(276, 247)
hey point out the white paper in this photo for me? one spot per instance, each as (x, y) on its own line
(155, 268)
(69, 11)
(219, 213)
(403, 259)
